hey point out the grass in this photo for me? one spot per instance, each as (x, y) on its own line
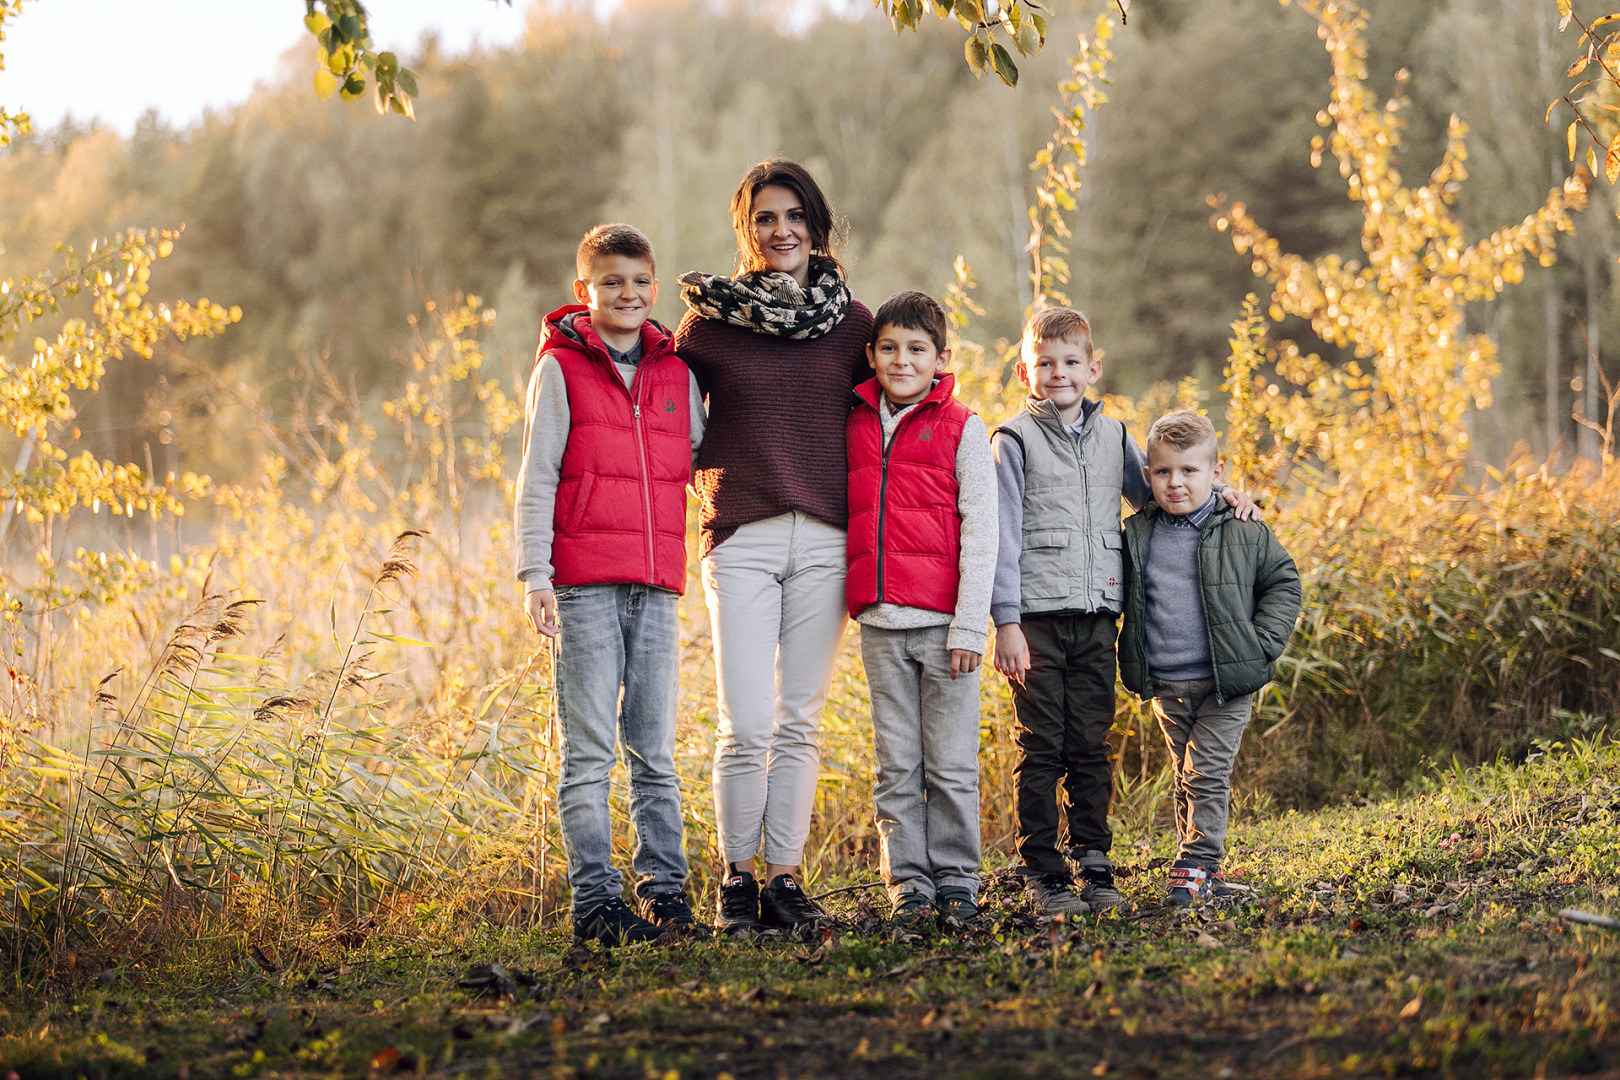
(1413, 936)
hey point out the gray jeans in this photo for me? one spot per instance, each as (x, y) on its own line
(1203, 736)
(925, 726)
(618, 657)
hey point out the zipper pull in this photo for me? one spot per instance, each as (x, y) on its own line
(637, 409)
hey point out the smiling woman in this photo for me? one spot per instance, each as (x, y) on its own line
(778, 350)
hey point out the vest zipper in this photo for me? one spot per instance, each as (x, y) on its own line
(883, 484)
(641, 453)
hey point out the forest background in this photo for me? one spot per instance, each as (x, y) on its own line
(273, 675)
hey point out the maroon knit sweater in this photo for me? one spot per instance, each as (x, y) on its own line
(777, 409)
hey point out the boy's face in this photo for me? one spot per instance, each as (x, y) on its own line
(619, 292)
(1182, 480)
(1058, 371)
(906, 362)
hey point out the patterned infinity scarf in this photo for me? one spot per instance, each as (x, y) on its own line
(770, 301)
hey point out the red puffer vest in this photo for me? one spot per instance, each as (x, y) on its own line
(905, 531)
(621, 495)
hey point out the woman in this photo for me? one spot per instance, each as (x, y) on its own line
(777, 348)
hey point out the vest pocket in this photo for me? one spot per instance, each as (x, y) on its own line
(569, 516)
(1046, 566)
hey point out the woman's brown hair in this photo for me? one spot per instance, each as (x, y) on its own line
(818, 216)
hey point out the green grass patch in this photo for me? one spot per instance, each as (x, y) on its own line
(1417, 936)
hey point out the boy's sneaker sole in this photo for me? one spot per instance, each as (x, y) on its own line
(1053, 894)
(612, 923)
(673, 912)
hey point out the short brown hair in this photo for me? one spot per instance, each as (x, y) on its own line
(1059, 323)
(779, 172)
(614, 238)
(913, 311)
(1183, 429)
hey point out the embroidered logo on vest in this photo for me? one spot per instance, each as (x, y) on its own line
(926, 434)
(669, 405)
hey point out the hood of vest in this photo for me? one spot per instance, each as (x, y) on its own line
(870, 392)
(569, 327)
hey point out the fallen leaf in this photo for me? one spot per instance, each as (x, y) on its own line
(386, 1060)
(1357, 926)
(689, 985)
(558, 1025)
(1208, 940)
(1101, 1069)
(1412, 1008)
(602, 1018)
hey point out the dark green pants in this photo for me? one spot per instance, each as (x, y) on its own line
(1065, 709)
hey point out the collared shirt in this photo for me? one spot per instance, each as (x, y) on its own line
(631, 357)
(1194, 520)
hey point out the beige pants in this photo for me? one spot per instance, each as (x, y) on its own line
(776, 608)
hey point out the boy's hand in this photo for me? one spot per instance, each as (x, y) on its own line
(541, 606)
(1012, 652)
(1243, 507)
(964, 662)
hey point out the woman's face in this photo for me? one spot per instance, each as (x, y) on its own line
(782, 232)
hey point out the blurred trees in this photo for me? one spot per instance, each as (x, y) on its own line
(329, 226)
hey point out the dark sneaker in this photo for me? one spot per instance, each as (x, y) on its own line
(612, 923)
(672, 911)
(784, 906)
(737, 909)
(1097, 882)
(914, 912)
(1053, 894)
(1189, 883)
(956, 906)
(1217, 884)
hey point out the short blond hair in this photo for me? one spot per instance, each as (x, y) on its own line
(1183, 429)
(1059, 323)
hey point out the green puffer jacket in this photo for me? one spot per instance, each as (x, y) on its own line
(1251, 600)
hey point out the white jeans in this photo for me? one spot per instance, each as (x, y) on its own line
(776, 608)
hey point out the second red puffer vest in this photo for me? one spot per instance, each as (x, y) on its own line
(905, 531)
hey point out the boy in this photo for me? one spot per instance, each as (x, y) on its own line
(1061, 469)
(1210, 604)
(612, 421)
(921, 549)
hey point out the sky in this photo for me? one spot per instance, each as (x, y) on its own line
(113, 59)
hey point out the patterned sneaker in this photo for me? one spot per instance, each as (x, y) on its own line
(612, 923)
(1189, 883)
(915, 911)
(737, 909)
(1097, 882)
(673, 912)
(784, 906)
(1053, 894)
(956, 906)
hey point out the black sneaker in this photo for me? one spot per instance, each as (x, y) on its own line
(784, 906)
(956, 906)
(612, 923)
(1097, 882)
(672, 911)
(914, 912)
(737, 909)
(1189, 883)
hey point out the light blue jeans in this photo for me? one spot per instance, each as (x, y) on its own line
(618, 638)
